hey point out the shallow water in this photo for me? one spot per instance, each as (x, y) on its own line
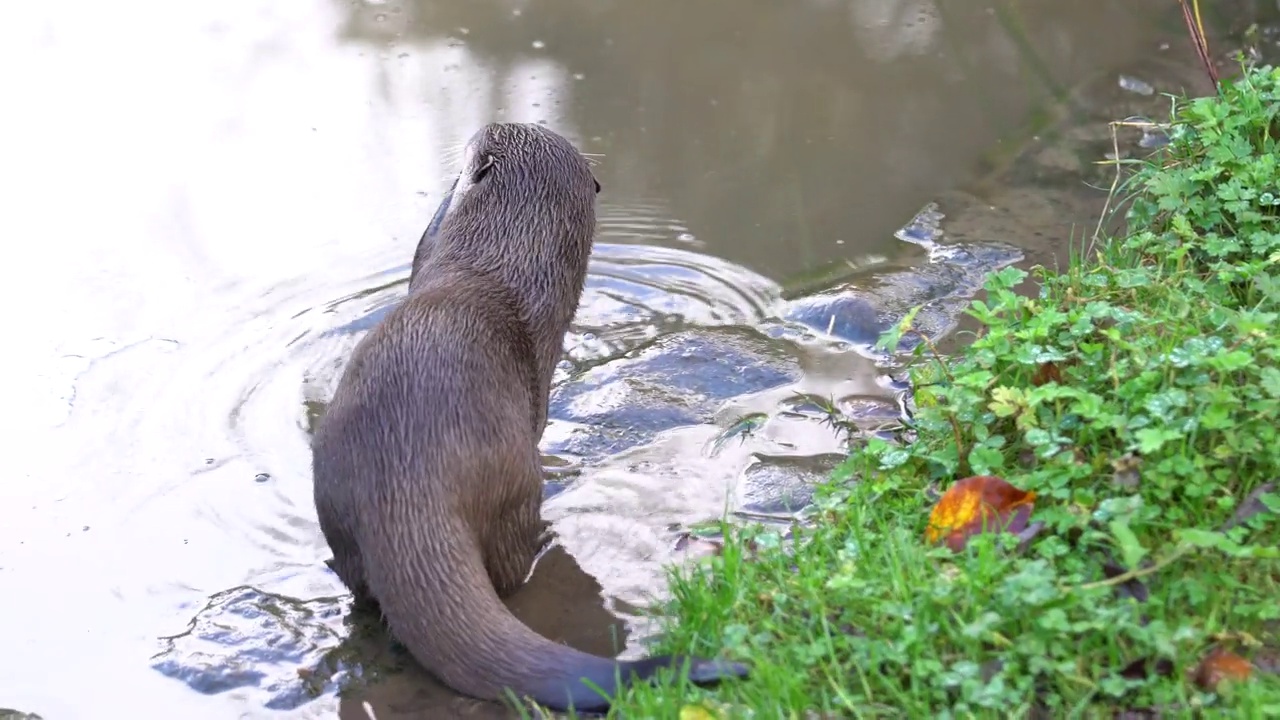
(208, 205)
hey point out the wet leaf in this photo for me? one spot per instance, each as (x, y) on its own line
(978, 504)
(1221, 665)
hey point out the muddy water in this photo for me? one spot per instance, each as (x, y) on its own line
(206, 206)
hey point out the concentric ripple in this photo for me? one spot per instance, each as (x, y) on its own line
(263, 382)
(678, 401)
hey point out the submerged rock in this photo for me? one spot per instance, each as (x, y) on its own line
(861, 310)
(781, 485)
(245, 639)
(868, 304)
(677, 380)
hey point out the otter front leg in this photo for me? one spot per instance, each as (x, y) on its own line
(346, 562)
(360, 597)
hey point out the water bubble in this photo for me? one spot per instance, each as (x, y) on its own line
(579, 76)
(538, 44)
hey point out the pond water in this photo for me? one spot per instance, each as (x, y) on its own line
(207, 204)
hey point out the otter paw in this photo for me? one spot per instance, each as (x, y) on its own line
(546, 536)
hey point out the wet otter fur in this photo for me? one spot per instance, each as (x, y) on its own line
(427, 476)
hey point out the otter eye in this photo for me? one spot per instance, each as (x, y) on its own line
(597, 182)
(483, 169)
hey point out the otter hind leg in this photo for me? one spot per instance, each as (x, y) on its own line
(513, 546)
(546, 536)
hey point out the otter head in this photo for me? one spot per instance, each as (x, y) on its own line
(525, 196)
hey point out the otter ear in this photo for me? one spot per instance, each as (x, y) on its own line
(483, 170)
(597, 182)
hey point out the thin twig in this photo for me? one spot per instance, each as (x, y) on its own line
(1135, 574)
(1191, 16)
(1111, 192)
(1115, 181)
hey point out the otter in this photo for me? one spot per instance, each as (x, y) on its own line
(427, 477)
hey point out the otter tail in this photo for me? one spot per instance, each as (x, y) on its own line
(439, 602)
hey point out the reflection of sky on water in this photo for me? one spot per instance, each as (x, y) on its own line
(183, 178)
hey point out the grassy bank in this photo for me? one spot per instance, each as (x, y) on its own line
(1135, 401)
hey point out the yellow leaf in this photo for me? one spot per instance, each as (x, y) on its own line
(1006, 401)
(697, 712)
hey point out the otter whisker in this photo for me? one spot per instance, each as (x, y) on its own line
(453, 153)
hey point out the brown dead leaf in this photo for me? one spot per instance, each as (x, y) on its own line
(1027, 458)
(1251, 507)
(1126, 471)
(977, 504)
(1131, 589)
(1145, 668)
(1220, 665)
(1046, 373)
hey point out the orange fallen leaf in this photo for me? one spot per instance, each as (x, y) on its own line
(1221, 665)
(977, 504)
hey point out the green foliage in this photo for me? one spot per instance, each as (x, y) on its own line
(1218, 199)
(1138, 396)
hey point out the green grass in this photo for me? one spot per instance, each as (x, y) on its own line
(1157, 423)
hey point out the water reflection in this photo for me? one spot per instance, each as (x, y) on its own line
(210, 203)
(832, 121)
